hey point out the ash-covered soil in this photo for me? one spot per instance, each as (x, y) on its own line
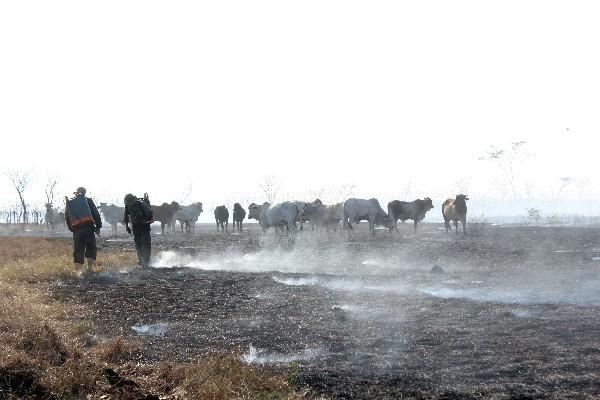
(516, 313)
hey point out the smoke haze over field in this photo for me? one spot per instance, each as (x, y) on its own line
(399, 100)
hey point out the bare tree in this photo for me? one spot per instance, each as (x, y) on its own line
(564, 182)
(462, 184)
(582, 184)
(51, 183)
(20, 180)
(270, 186)
(406, 190)
(186, 193)
(345, 192)
(508, 161)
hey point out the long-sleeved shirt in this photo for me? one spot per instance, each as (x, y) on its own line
(95, 215)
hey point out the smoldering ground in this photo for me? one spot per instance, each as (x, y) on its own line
(514, 313)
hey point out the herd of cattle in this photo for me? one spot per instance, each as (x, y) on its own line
(285, 216)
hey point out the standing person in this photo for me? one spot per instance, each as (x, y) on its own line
(83, 219)
(140, 215)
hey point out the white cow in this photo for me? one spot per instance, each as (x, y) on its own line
(356, 210)
(278, 216)
(113, 215)
(53, 218)
(188, 215)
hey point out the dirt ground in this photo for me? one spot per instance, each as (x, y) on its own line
(514, 312)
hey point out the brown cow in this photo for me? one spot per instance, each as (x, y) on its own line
(455, 210)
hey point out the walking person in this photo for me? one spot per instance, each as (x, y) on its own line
(83, 219)
(140, 215)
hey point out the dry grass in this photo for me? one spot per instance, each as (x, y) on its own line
(117, 350)
(32, 259)
(47, 352)
(225, 376)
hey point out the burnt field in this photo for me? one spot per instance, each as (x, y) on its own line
(515, 312)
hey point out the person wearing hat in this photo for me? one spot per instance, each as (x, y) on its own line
(83, 219)
(139, 214)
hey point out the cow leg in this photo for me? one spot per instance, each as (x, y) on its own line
(456, 225)
(464, 221)
(227, 226)
(415, 229)
(447, 224)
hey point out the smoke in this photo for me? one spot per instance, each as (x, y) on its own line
(152, 329)
(256, 356)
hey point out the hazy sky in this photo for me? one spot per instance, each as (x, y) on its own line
(154, 96)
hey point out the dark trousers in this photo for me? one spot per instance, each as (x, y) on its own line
(143, 246)
(84, 244)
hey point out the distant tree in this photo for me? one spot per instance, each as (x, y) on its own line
(187, 191)
(405, 190)
(20, 181)
(270, 186)
(51, 183)
(508, 161)
(564, 182)
(462, 185)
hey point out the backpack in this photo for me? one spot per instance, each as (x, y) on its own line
(79, 210)
(141, 213)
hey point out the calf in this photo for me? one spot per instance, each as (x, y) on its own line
(222, 216)
(238, 216)
(404, 210)
(455, 210)
(356, 210)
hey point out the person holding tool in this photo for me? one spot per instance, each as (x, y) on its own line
(83, 219)
(139, 213)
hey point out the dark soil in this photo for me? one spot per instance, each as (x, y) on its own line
(513, 313)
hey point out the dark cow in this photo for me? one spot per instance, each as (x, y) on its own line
(222, 216)
(455, 210)
(302, 217)
(323, 216)
(405, 210)
(238, 216)
(165, 214)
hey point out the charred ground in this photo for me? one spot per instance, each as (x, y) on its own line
(515, 315)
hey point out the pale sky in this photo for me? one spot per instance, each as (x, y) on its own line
(156, 96)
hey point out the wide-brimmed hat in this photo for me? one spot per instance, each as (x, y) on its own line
(80, 190)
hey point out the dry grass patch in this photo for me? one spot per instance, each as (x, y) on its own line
(117, 350)
(33, 259)
(46, 350)
(225, 376)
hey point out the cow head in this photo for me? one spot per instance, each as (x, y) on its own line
(198, 207)
(175, 206)
(384, 220)
(254, 211)
(48, 206)
(428, 204)
(462, 197)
